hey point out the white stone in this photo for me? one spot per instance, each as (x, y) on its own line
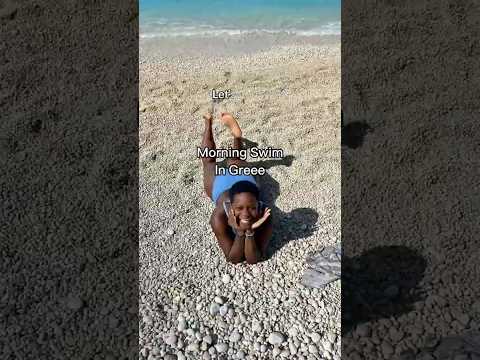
(276, 351)
(208, 339)
(74, 303)
(285, 353)
(182, 325)
(235, 336)
(276, 338)
(223, 310)
(170, 339)
(214, 309)
(148, 320)
(312, 349)
(257, 326)
(221, 347)
(193, 347)
(315, 337)
(293, 331)
(219, 300)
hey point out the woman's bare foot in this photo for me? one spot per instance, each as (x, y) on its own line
(208, 117)
(208, 120)
(232, 124)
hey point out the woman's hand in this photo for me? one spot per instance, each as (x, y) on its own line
(260, 221)
(232, 221)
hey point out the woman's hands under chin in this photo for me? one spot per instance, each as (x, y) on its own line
(260, 221)
(239, 226)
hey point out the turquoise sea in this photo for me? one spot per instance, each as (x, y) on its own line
(213, 18)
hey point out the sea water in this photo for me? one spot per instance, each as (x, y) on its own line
(237, 18)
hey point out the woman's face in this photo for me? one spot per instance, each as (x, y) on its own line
(244, 207)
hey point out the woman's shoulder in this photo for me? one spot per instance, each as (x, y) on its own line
(218, 220)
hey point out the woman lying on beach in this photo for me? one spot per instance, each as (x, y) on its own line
(241, 223)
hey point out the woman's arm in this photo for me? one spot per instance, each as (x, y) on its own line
(256, 245)
(233, 249)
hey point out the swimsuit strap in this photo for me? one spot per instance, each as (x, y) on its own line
(225, 207)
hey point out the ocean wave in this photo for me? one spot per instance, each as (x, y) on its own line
(332, 28)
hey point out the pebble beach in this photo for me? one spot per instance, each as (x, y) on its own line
(193, 304)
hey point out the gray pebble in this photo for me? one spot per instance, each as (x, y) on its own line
(144, 352)
(363, 330)
(182, 325)
(387, 349)
(276, 338)
(328, 346)
(315, 337)
(395, 334)
(257, 326)
(293, 331)
(214, 309)
(223, 310)
(74, 303)
(285, 353)
(221, 347)
(170, 339)
(332, 337)
(193, 347)
(208, 339)
(148, 320)
(235, 336)
(276, 351)
(180, 344)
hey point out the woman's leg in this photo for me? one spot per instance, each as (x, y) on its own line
(208, 162)
(232, 124)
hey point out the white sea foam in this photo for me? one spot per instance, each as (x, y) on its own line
(332, 28)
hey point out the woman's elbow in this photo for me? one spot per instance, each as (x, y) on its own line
(233, 260)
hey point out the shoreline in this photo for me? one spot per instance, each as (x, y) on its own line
(155, 49)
